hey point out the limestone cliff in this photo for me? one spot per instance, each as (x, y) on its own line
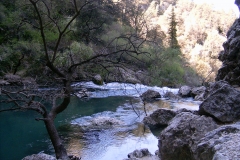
(230, 70)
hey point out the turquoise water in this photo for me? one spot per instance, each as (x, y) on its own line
(21, 135)
(78, 125)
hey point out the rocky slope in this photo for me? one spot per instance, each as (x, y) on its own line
(230, 70)
(213, 131)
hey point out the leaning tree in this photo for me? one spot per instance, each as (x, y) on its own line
(60, 28)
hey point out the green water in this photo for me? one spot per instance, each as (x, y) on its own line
(21, 135)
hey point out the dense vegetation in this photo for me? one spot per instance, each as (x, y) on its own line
(199, 39)
(63, 41)
(20, 49)
(201, 31)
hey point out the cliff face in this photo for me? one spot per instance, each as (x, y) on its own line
(230, 70)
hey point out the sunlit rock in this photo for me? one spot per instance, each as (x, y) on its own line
(223, 104)
(39, 156)
(160, 117)
(97, 79)
(150, 95)
(105, 121)
(139, 153)
(222, 143)
(185, 91)
(198, 93)
(230, 70)
(180, 138)
(171, 96)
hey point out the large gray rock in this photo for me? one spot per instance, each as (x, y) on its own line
(185, 91)
(181, 137)
(198, 93)
(39, 156)
(222, 143)
(150, 95)
(171, 96)
(160, 117)
(230, 70)
(139, 153)
(97, 79)
(213, 87)
(223, 104)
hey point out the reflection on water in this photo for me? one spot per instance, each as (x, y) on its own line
(119, 133)
(22, 135)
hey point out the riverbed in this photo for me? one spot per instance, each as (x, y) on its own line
(105, 125)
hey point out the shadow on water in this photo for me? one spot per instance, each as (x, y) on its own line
(21, 135)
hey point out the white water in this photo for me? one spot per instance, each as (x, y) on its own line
(126, 133)
(115, 141)
(120, 89)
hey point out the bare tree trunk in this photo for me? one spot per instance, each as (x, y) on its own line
(59, 148)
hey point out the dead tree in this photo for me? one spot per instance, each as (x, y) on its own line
(31, 98)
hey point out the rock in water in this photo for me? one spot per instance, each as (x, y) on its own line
(171, 96)
(223, 104)
(160, 117)
(150, 95)
(139, 153)
(198, 93)
(185, 91)
(97, 79)
(39, 156)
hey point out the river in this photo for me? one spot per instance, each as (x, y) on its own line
(83, 124)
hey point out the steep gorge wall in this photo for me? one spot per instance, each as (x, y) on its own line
(230, 70)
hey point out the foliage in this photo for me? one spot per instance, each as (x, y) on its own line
(93, 20)
(172, 31)
(166, 68)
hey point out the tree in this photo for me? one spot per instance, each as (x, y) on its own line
(53, 25)
(172, 31)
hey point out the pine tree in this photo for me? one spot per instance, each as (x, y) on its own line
(172, 31)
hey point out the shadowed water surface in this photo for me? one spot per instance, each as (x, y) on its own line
(83, 124)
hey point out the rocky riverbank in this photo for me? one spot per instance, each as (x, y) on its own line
(213, 131)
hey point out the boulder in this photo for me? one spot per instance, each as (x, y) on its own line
(185, 91)
(198, 93)
(160, 117)
(199, 97)
(171, 96)
(83, 93)
(105, 121)
(150, 95)
(139, 153)
(181, 137)
(213, 87)
(12, 78)
(222, 143)
(39, 156)
(223, 104)
(97, 79)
